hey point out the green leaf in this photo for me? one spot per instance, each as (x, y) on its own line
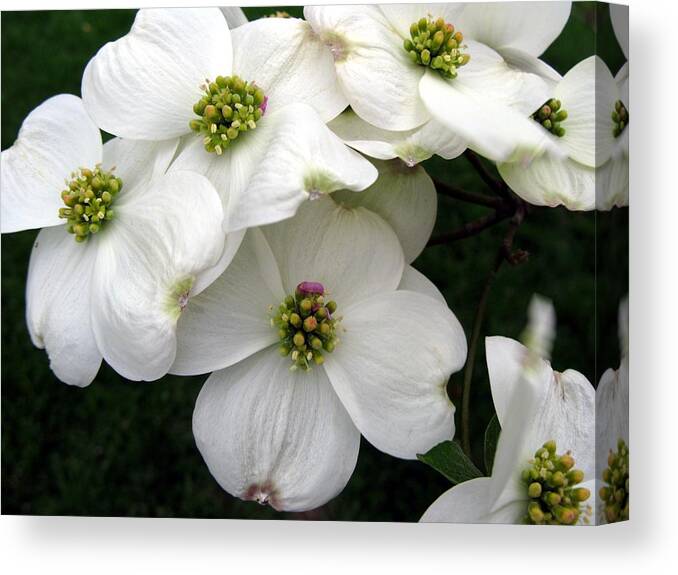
(491, 438)
(449, 459)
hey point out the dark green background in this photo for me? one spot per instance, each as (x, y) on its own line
(124, 448)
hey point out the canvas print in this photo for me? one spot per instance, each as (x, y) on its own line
(336, 262)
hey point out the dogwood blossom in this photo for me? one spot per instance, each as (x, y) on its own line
(544, 462)
(568, 117)
(472, 67)
(612, 431)
(123, 243)
(255, 109)
(317, 332)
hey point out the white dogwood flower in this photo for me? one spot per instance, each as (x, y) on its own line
(255, 109)
(612, 431)
(578, 118)
(317, 332)
(612, 178)
(123, 246)
(544, 462)
(472, 67)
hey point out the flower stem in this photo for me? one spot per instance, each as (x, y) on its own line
(507, 253)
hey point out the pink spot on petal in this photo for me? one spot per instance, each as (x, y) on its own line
(263, 494)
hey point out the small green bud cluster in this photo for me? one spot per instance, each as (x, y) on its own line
(278, 14)
(551, 483)
(550, 116)
(615, 494)
(306, 326)
(436, 45)
(230, 106)
(620, 117)
(88, 200)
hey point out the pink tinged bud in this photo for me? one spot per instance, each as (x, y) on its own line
(311, 288)
(263, 106)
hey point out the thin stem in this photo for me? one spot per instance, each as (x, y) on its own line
(470, 228)
(505, 252)
(497, 186)
(450, 191)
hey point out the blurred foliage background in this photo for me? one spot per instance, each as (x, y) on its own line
(119, 448)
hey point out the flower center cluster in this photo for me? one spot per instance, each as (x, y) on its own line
(615, 494)
(229, 106)
(306, 325)
(620, 117)
(435, 44)
(88, 200)
(551, 482)
(550, 115)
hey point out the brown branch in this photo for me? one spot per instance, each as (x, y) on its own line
(514, 257)
(497, 186)
(470, 228)
(450, 191)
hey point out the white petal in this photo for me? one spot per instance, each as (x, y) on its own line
(619, 14)
(612, 180)
(545, 405)
(505, 361)
(622, 81)
(402, 16)
(375, 73)
(58, 296)
(290, 63)
(578, 94)
(143, 86)
(275, 436)
(414, 280)
(612, 413)
(354, 253)
(138, 160)
(406, 198)
(207, 276)
(411, 146)
(464, 503)
(530, 27)
(55, 139)
(516, 58)
(231, 319)
(398, 399)
(302, 161)
(234, 16)
(163, 235)
(549, 181)
(488, 75)
(496, 131)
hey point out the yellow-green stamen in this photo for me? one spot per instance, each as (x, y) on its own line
(229, 107)
(551, 483)
(437, 45)
(306, 326)
(620, 117)
(88, 200)
(615, 494)
(550, 116)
